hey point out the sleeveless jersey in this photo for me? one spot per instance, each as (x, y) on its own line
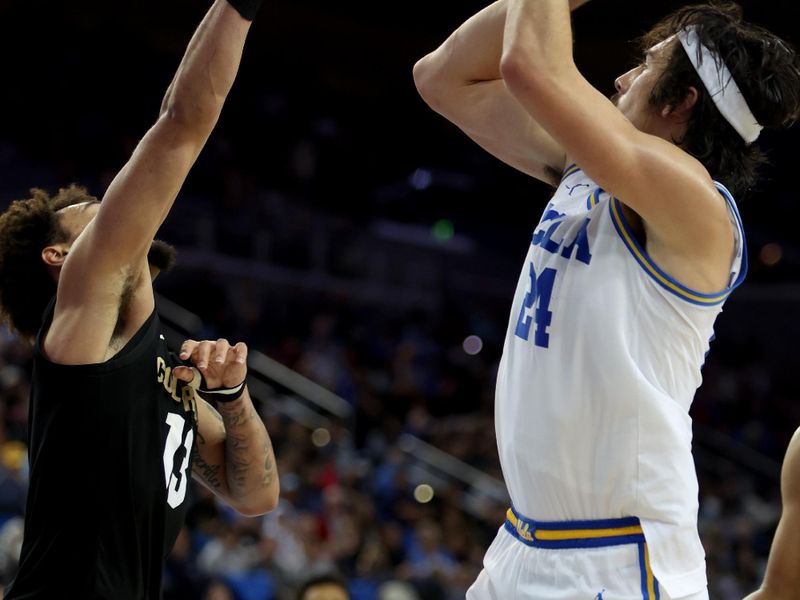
(601, 361)
(110, 449)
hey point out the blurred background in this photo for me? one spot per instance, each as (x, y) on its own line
(346, 232)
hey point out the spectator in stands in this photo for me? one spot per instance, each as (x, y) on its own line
(324, 587)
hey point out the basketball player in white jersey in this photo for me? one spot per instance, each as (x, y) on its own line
(782, 578)
(624, 276)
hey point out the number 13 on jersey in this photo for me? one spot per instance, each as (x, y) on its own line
(535, 307)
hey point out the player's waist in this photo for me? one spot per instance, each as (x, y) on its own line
(595, 533)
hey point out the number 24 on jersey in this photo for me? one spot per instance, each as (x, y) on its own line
(535, 312)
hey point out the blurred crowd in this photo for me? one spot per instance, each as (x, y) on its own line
(338, 226)
(349, 501)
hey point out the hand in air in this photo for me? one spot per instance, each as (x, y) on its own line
(221, 365)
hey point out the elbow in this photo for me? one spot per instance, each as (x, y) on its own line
(524, 75)
(190, 116)
(517, 70)
(260, 504)
(426, 81)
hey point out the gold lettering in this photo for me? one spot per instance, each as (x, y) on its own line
(160, 366)
(165, 376)
(173, 388)
(523, 529)
(187, 395)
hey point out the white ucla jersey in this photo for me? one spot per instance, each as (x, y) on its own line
(602, 358)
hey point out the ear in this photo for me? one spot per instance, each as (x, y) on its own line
(54, 255)
(682, 111)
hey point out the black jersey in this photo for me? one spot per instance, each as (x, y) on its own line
(110, 450)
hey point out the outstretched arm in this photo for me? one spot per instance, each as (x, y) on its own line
(110, 255)
(782, 578)
(234, 456)
(461, 80)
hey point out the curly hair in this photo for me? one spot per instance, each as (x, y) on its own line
(765, 68)
(26, 228)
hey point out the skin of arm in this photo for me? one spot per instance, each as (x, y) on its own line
(234, 456)
(109, 255)
(782, 577)
(657, 180)
(461, 80)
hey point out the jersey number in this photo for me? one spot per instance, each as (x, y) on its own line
(174, 451)
(535, 308)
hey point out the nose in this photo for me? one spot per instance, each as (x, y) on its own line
(622, 83)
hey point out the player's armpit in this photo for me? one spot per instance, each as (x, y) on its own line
(493, 119)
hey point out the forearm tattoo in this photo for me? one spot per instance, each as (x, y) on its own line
(207, 472)
(249, 460)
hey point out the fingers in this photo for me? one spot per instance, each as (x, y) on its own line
(183, 373)
(187, 348)
(240, 350)
(219, 352)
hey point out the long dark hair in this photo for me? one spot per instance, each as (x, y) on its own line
(764, 67)
(26, 228)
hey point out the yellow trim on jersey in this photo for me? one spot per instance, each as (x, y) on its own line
(594, 198)
(651, 580)
(652, 269)
(569, 171)
(568, 534)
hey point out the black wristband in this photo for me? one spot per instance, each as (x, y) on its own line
(222, 394)
(247, 8)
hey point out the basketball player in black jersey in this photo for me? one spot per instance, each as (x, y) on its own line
(115, 419)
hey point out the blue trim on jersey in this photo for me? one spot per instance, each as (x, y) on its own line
(650, 589)
(643, 572)
(586, 524)
(662, 278)
(570, 170)
(593, 199)
(574, 534)
(729, 199)
(602, 542)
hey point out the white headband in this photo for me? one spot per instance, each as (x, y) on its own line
(720, 84)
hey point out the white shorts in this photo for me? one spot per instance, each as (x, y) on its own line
(568, 568)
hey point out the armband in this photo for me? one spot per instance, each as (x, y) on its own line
(231, 394)
(247, 8)
(222, 394)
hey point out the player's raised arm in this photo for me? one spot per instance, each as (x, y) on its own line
(642, 168)
(782, 577)
(461, 80)
(110, 255)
